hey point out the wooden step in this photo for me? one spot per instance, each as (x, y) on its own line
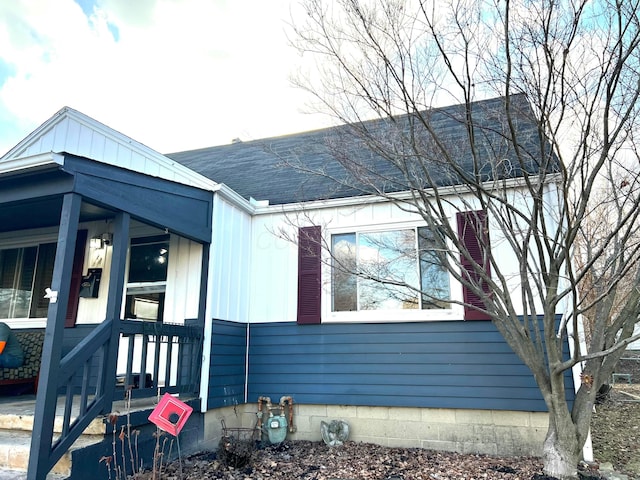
(16, 424)
(17, 413)
(15, 446)
(15, 421)
(6, 474)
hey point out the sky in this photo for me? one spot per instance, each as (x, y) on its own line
(172, 74)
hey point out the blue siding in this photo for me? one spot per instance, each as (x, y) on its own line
(227, 366)
(421, 364)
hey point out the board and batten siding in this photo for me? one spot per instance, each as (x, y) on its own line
(73, 132)
(230, 262)
(274, 263)
(183, 280)
(227, 373)
(183, 276)
(453, 364)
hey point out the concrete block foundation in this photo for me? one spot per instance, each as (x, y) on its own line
(492, 432)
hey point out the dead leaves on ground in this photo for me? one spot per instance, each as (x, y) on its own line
(358, 461)
(615, 430)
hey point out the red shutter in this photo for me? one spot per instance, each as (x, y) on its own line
(76, 279)
(309, 285)
(473, 231)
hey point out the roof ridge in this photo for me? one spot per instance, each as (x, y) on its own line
(236, 142)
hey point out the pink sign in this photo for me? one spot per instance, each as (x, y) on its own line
(170, 414)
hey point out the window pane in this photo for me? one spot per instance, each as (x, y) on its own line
(148, 262)
(388, 269)
(17, 267)
(433, 275)
(44, 275)
(145, 306)
(344, 281)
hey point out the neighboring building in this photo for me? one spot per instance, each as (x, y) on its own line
(208, 241)
(635, 345)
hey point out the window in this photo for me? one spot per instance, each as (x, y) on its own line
(389, 270)
(147, 281)
(24, 275)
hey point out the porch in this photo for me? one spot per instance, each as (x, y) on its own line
(51, 207)
(161, 353)
(82, 460)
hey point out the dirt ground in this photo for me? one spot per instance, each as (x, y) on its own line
(615, 432)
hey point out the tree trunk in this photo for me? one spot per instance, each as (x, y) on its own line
(561, 451)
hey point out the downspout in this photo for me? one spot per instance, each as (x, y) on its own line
(246, 366)
(249, 257)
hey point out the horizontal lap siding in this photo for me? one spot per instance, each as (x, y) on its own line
(428, 364)
(227, 367)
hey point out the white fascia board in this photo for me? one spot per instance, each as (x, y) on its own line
(234, 198)
(21, 164)
(369, 199)
(25, 142)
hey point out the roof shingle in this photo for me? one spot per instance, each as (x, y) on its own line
(332, 162)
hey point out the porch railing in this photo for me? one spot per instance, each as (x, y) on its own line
(161, 356)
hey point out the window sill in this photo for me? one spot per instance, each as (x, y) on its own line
(18, 323)
(390, 316)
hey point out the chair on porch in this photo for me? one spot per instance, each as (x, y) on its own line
(28, 373)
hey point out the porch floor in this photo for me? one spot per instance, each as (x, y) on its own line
(25, 405)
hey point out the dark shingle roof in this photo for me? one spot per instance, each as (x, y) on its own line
(281, 169)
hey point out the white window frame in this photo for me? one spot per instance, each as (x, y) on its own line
(26, 241)
(454, 312)
(159, 286)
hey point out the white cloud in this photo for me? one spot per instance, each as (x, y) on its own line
(174, 75)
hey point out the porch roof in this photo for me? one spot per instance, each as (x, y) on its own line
(31, 196)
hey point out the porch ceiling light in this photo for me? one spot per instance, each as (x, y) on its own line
(107, 239)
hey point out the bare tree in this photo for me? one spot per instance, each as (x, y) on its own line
(536, 161)
(596, 281)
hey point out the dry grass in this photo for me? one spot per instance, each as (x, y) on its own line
(615, 429)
